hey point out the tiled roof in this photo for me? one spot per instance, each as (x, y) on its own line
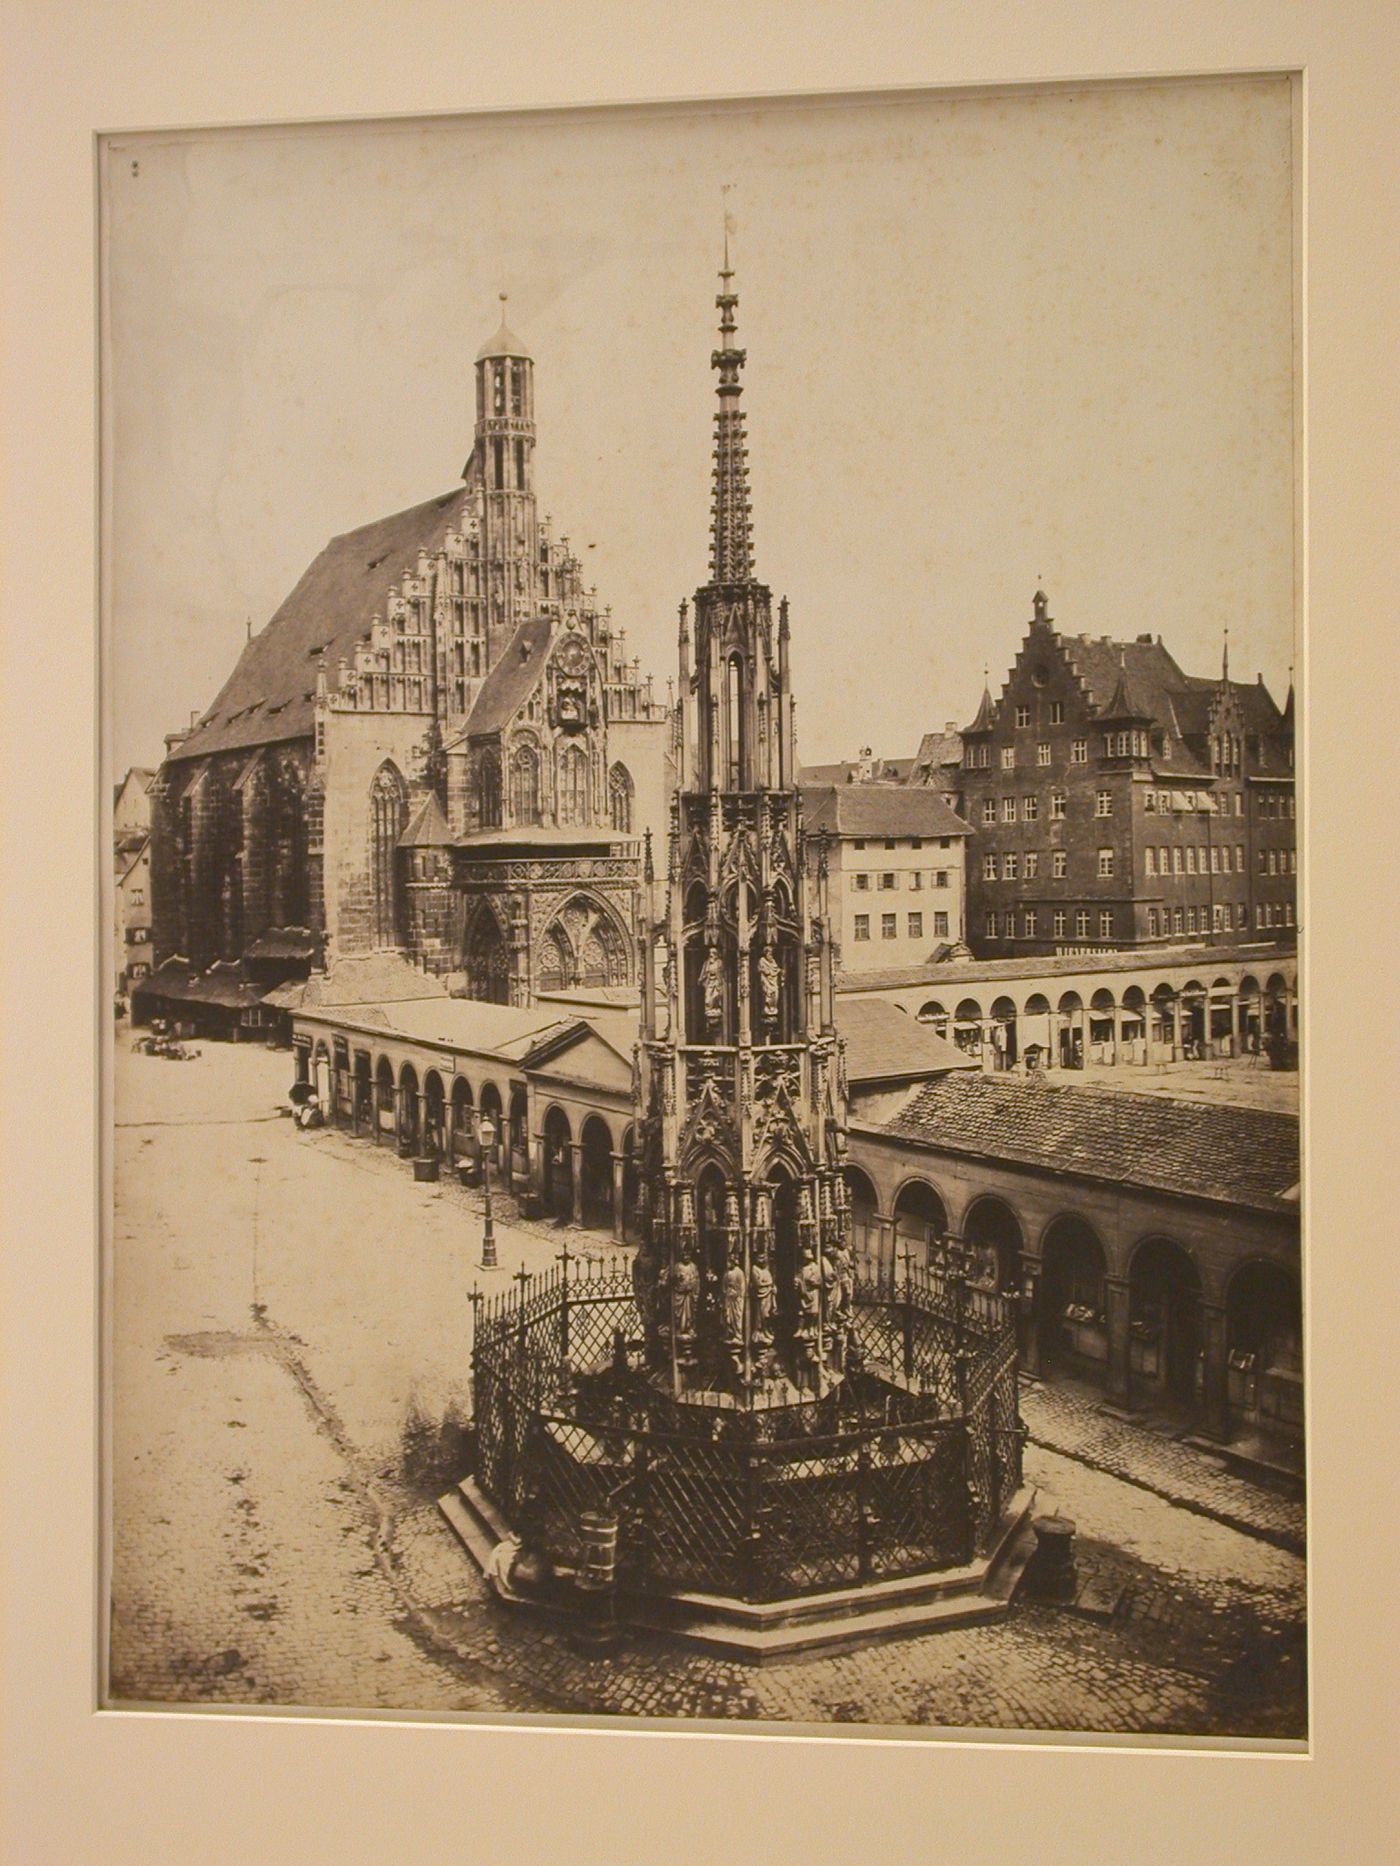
(1237, 1156)
(427, 827)
(935, 750)
(1151, 672)
(269, 695)
(885, 1044)
(376, 978)
(509, 684)
(879, 810)
(1152, 958)
(285, 943)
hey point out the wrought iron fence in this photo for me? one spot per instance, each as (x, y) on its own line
(907, 1466)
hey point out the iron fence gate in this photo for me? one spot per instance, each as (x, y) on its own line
(910, 1469)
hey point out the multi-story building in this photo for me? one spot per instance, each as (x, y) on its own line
(438, 745)
(1116, 801)
(895, 859)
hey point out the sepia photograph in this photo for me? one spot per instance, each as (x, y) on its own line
(704, 723)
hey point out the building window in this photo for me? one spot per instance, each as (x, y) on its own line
(1008, 866)
(1079, 752)
(991, 923)
(989, 868)
(1215, 858)
(1103, 803)
(1032, 865)
(858, 842)
(1105, 862)
(525, 785)
(862, 882)
(1008, 757)
(388, 808)
(1042, 752)
(1273, 862)
(887, 925)
(862, 926)
(1081, 923)
(940, 877)
(1057, 712)
(1105, 924)
(1288, 913)
(1239, 858)
(989, 809)
(1166, 745)
(1058, 924)
(1057, 806)
(1030, 809)
(1151, 855)
(916, 926)
(1023, 715)
(940, 926)
(916, 842)
(1191, 859)
(1152, 923)
(1149, 802)
(888, 881)
(1059, 863)
(1176, 860)
(620, 797)
(889, 844)
(916, 881)
(1029, 922)
(1008, 809)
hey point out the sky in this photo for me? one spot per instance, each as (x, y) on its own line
(1037, 337)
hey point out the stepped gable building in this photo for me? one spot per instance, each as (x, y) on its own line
(742, 1086)
(1116, 801)
(436, 746)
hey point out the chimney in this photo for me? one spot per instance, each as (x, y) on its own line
(950, 725)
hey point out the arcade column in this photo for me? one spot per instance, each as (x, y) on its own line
(1216, 1376)
(576, 1179)
(1028, 1314)
(1117, 1302)
(619, 1229)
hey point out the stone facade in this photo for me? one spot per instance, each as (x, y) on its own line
(285, 805)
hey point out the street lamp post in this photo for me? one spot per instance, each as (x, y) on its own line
(486, 1137)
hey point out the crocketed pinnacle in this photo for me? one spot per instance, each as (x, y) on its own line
(731, 525)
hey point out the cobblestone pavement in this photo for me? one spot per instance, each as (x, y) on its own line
(287, 1305)
(1070, 1421)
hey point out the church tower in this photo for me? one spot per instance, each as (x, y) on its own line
(505, 456)
(744, 1282)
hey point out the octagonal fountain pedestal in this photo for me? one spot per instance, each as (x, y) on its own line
(757, 1524)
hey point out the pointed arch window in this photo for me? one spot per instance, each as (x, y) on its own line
(573, 785)
(388, 812)
(525, 785)
(490, 791)
(621, 792)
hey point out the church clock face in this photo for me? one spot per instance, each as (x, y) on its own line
(571, 667)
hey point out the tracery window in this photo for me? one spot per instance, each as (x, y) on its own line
(573, 785)
(525, 785)
(388, 811)
(620, 797)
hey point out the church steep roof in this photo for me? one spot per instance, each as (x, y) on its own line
(427, 827)
(512, 679)
(270, 695)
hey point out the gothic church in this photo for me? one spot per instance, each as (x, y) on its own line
(437, 747)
